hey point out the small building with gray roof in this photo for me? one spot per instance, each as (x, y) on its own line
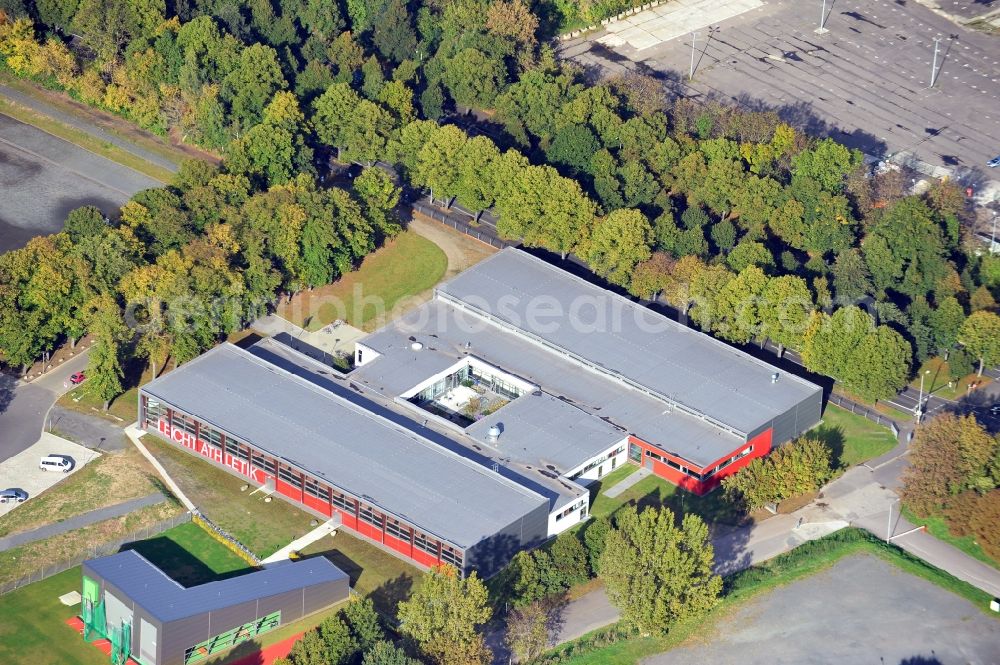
(155, 620)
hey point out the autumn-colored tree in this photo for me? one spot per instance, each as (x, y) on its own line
(617, 243)
(793, 469)
(948, 455)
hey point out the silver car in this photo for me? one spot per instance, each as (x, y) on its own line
(993, 163)
(13, 495)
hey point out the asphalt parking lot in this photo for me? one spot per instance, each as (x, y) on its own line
(862, 610)
(865, 82)
(22, 470)
(43, 177)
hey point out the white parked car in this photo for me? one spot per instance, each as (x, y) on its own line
(56, 463)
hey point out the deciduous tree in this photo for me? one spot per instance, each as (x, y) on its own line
(443, 617)
(980, 334)
(657, 573)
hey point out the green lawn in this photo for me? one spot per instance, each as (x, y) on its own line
(655, 491)
(852, 438)
(938, 527)
(266, 527)
(188, 554)
(33, 629)
(939, 381)
(807, 559)
(406, 267)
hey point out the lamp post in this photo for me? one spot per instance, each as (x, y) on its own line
(888, 526)
(937, 41)
(822, 21)
(694, 38)
(920, 402)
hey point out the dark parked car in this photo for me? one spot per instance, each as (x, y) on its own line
(13, 494)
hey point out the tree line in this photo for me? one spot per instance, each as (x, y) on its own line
(954, 475)
(184, 266)
(733, 217)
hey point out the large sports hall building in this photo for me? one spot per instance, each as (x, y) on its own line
(470, 428)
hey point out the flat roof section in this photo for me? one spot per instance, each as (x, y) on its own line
(168, 600)
(614, 334)
(450, 333)
(355, 450)
(543, 430)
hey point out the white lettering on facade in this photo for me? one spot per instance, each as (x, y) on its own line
(207, 451)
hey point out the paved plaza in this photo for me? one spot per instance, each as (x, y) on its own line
(44, 177)
(865, 82)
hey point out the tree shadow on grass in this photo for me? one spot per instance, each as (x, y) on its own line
(177, 563)
(834, 439)
(388, 595)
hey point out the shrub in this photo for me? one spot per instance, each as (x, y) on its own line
(791, 470)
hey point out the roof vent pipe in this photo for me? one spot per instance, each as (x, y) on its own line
(493, 433)
(774, 378)
(416, 346)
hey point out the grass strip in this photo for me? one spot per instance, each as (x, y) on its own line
(84, 140)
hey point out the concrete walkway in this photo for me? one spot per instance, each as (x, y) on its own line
(326, 528)
(633, 479)
(134, 433)
(79, 521)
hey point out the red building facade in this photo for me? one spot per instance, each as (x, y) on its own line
(695, 479)
(296, 485)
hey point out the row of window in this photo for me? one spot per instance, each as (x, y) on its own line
(310, 486)
(569, 511)
(674, 465)
(598, 462)
(732, 459)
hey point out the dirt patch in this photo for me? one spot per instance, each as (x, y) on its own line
(462, 251)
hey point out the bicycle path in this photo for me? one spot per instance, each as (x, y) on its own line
(79, 521)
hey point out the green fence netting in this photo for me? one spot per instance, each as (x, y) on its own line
(121, 643)
(94, 623)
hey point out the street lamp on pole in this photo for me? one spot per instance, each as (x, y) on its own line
(822, 21)
(888, 526)
(937, 41)
(993, 235)
(920, 402)
(694, 38)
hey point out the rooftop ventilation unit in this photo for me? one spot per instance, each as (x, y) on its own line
(493, 434)
(774, 378)
(416, 346)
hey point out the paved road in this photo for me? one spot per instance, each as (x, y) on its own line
(23, 405)
(76, 122)
(865, 82)
(43, 178)
(861, 610)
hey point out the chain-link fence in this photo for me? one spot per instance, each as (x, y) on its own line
(870, 414)
(458, 225)
(94, 551)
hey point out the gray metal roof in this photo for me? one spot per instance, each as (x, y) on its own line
(444, 332)
(544, 430)
(353, 448)
(168, 600)
(630, 342)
